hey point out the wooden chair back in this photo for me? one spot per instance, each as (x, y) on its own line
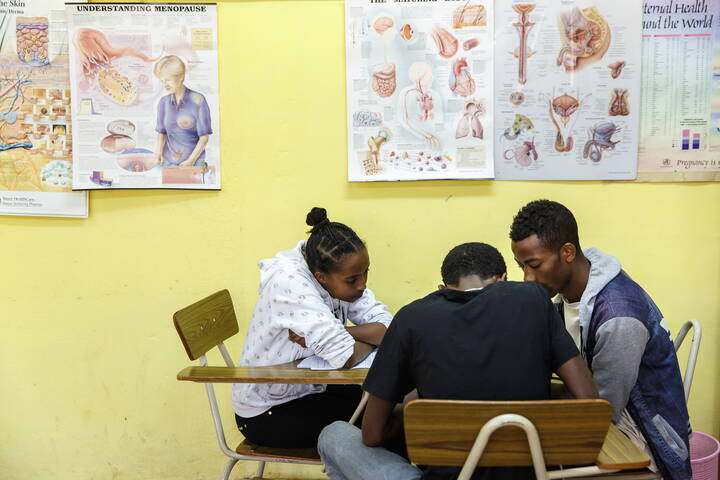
(206, 323)
(441, 432)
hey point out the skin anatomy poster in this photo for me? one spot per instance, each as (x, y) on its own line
(35, 116)
(419, 89)
(145, 95)
(680, 120)
(567, 89)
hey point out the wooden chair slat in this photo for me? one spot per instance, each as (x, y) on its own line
(441, 432)
(206, 323)
(302, 454)
(619, 452)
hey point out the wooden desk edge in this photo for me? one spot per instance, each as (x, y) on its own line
(286, 373)
(634, 457)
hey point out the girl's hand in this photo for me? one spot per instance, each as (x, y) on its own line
(295, 338)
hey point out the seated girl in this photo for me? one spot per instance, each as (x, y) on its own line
(307, 296)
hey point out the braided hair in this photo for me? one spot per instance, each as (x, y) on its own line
(328, 242)
(473, 258)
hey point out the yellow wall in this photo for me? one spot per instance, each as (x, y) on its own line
(88, 354)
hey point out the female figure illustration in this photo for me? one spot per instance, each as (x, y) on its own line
(183, 118)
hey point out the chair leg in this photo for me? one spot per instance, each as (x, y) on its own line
(228, 468)
(260, 470)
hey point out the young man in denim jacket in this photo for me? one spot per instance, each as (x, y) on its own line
(618, 328)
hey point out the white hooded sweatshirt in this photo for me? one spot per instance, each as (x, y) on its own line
(292, 299)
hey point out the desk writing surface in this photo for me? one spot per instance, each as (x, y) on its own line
(284, 373)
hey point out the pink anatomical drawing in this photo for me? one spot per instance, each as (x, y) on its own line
(460, 80)
(616, 68)
(524, 153)
(418, 104)
(619, 105)
(523, 26)
(445, 41)
(562, 109)
(469, 16)
(470, 121)
(96, 53)
(383, 80)
(585, 36)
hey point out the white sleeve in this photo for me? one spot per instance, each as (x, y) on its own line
(296, 305)
(368, 310)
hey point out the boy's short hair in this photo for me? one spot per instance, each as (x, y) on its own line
(551, 221)
(473, 258)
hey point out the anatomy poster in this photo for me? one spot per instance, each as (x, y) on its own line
(145, 95)
(419, 89)
(35, 146)
(680, 122)
(567, 90)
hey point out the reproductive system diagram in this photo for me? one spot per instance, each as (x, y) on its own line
(424, 75)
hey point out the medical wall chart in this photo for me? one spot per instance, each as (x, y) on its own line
(419, 89)
(680, 120)
(35, 146)
(567, 90)
(145, 95)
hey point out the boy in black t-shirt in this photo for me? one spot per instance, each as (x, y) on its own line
(477, 338)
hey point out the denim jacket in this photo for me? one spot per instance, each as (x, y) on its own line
(629, 350)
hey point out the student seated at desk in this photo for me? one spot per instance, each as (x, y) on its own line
(307, 294)
(618, 327)
(478, 337)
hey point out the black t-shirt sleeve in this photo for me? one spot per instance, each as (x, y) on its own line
(390, 377)
(562, 346)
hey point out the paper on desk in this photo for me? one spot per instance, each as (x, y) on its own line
(317, 363)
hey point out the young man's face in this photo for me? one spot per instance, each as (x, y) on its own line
(550, 269)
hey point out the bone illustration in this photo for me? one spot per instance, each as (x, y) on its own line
(445, 41)
(383, 80)
(31, 34)
(470, 121)
(562, 109)
(600, 139)
(517, 98)
(585, 36)
(417, 104)
(469, 16)
(470, 43)
(619, 103)
(523, 26)
(524, 153)
(460, 79)
(520, 125)
(616, 68)
(96, 53)
(374, 144)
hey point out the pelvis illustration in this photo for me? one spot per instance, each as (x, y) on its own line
(460, 79)
(471, 120)
(619, 103)
(585, 36)
(524, 154)
(599, 139)
(562, 109)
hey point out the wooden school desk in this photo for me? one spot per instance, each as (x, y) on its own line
(617, 453)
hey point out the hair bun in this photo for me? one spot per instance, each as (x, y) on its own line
(316, 217)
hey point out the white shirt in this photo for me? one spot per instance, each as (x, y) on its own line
(292, 299)
(571, 312)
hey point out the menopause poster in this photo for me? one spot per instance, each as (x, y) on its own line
(419, 89)
(145, 96)
(680, 122)
(36, 164)
(567, 90)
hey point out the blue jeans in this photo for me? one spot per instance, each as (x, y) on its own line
(347, 458)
